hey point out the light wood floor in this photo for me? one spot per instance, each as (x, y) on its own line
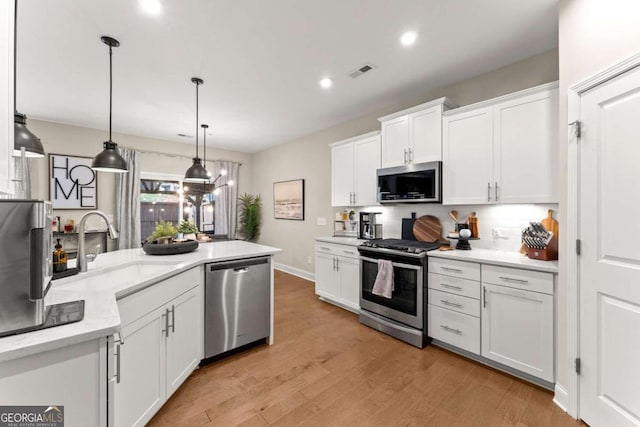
(326, 369)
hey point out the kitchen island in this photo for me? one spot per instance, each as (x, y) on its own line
(133, 302)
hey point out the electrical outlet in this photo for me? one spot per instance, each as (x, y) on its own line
(500, 234)
(309, 259)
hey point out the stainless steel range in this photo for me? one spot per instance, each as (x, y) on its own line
(404, 314)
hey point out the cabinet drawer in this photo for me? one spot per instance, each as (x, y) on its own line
(339, 250)
(454, 328)
(529, 280)
(454, 302)
(448, 267)
(454, 285)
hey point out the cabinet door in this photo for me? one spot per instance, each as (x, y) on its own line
(367, 160)
(526, 149)
(326, 277)
(349, 274)
(425, 135)
(395, 142)
(517, 329)
(183, 342)
(141, 390)
(342, 160)
(468, 158)
(6, 95)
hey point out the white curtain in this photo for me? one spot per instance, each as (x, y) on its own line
(225, 215)
(128, 200)
(22, 173)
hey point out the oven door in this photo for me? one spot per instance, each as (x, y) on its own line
(406, 302)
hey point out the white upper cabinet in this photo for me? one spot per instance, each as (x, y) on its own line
(6, 95)
(503, 150)
(414, 135)
(353, 170)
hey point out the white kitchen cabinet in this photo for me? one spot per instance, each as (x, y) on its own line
(502, 150)
(338, 274)
(162, 344)
(7, 12)
(353, 170)
(413, 135)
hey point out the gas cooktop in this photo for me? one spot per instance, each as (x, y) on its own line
(399, 246)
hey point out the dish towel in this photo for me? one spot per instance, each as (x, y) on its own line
(383, 285)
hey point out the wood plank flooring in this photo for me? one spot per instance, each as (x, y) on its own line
(326, 369)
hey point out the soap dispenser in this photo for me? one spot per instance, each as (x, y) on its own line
(59, 259)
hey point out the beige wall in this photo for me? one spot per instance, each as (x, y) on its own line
(594, 34)
(309, 157)
(73, 140)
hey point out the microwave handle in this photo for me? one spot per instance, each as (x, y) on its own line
(37, 257)
(395, 264)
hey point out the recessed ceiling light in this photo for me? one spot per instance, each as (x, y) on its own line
(409, 38)
(326, 83)
(152, 7)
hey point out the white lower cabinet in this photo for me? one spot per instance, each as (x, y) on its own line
(162, 339)
(338, 274)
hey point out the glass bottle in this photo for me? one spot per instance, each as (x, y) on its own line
(59, 259)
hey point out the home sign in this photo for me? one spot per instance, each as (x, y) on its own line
(73, 184)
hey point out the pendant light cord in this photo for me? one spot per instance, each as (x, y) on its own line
(15, 56)
(197, 85)
(110, 88)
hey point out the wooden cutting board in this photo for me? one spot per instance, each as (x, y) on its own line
(551, 224)
(427, 228)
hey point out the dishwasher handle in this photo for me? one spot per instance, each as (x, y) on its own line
(237, 265)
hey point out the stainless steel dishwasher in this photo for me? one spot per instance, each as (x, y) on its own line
(237, 304)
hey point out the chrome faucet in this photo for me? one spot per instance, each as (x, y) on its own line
(82, 250)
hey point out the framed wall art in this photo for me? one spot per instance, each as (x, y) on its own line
(288, 199)
(72, 182)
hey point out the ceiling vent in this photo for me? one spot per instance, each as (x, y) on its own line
(364, 68)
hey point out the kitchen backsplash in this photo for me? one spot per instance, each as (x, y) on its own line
(500, 225)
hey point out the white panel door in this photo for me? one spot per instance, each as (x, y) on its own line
(367, 160)
(183, 340)
(142, 387)
(517, 329)
(425, 135)
(342, 162)
(609, 267)
(6, 95)
(349, 272)
(467, 157)
(395, 142)
(526, 149)
(327, 284)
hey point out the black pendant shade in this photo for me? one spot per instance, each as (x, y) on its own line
(24, 138)
(109, 160)
(197, 172)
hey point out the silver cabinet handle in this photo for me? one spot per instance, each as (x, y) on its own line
(349, 252)
(405, 156)
(334, 263)
(410, 155)
(457, 270)
(173, 319)
(448, 329)
(511, 279)
(165, 316)
(488, 191)
(355, 199)
(446, 285)
(496, 191)
(484, 296)
(337, 264)
(118, 363)
(454, 304)
(325, 248)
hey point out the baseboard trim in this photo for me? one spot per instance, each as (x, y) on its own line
(561, 397)
(295, 271)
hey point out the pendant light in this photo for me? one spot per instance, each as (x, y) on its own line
(204, 149)
(197, 172)
(110, 160)
(24, 139)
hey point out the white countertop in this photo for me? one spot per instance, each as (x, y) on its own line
(506, 259)
(351, 241)
(112, 276)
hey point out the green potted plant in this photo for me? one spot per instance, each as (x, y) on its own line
(187, 229)
(164, 232)
(163, 241)
(249, 226)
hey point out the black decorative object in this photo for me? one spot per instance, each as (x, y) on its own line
(197, 172)
(151, 248)
(109, 160)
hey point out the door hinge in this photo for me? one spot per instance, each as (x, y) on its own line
(577, 363)
(577, 128)
(578, 246)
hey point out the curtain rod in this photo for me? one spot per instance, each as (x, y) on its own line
(180, 156)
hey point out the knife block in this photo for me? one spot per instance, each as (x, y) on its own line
(550, 253)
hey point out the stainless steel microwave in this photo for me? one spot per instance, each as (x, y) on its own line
(417, 183)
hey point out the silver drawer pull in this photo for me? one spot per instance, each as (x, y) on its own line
(325, 249)
(448, 329)
(118, 356)
(457, 270)
(349, 252)
(454, 304)
(446, 285)
(511, 279)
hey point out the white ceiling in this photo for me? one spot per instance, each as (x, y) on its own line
(260, 60)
